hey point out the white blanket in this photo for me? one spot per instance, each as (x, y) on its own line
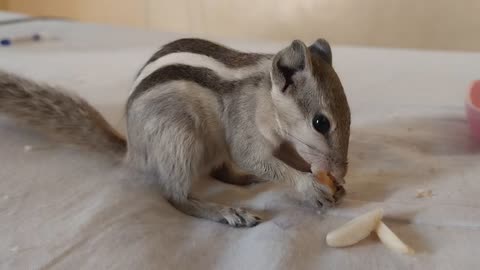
(64, 208)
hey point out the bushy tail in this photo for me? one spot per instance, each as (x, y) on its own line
(64, 117)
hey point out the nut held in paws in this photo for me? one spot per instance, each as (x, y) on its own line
(323, 178)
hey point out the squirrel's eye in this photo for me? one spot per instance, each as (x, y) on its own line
(321, 123)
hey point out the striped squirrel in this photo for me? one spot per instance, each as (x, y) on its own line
(199, 109)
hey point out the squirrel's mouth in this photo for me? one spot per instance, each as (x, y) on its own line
(289, 155)
(340, 190)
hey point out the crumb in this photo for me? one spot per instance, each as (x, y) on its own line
(30, 148)
(422, 193)
(14, 249)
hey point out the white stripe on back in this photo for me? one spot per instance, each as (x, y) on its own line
(199, 60)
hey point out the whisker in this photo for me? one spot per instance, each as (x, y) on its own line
(302, 142)
(317, 151)
(317, 155)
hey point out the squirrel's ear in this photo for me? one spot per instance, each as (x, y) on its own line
(322, 49)
(288, 62)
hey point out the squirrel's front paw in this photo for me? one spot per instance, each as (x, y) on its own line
(339, 194)
(319, 196)
(322, 200)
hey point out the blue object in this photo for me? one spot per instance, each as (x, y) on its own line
(5, 42)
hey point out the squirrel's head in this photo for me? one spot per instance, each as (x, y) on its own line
(311, 107)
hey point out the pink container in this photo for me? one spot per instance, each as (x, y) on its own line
(473, 109)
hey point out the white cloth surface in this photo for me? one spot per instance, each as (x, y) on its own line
(64, 208)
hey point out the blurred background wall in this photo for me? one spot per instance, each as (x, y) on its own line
(422, 24)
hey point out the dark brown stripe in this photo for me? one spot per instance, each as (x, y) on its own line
(228, 56)
(201, 76)
(287, 153)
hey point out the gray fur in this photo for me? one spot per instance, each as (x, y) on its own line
(187, 123)
(66, 118)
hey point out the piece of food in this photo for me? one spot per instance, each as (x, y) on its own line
(355, 230)
(421, 193)
(389, 239)
(323, 178)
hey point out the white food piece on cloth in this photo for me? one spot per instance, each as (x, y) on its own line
(389, 239)
(355, 230)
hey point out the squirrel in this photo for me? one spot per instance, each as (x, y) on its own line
(200, 109)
